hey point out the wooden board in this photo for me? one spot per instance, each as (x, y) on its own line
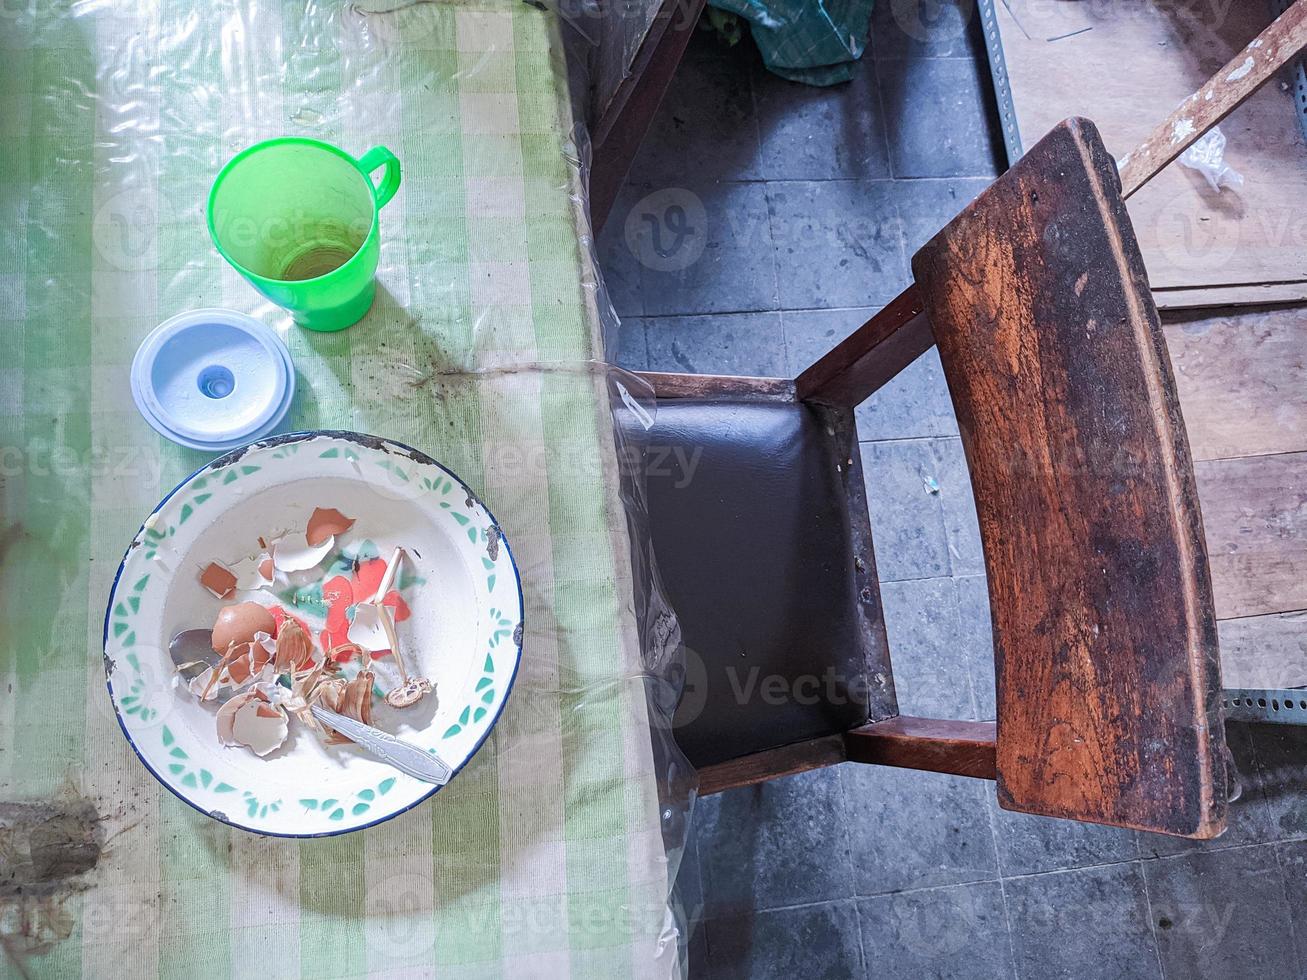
(1242, 382)
(1255, 515)
(1265, 651)
(1105, 643)
(1126, 66)
(618, 29)
(962, 748)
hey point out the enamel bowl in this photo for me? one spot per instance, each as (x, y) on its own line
(463, 632)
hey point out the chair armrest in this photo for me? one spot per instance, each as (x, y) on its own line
(1104, 633)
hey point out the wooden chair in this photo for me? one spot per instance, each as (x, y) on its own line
(1104, 635)
(1105, 646)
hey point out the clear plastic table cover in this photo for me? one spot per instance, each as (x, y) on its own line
(553, 852)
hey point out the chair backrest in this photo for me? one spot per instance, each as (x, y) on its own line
(1105, 637)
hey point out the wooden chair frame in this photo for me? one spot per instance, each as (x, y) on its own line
(1113, 774)
(1053, 751)
(874, 354)
(623, 119)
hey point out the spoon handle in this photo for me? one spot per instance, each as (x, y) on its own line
(404, 756)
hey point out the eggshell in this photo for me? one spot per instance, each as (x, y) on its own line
(367, 630)
(291, 556)
(220, 582)
(239, 622)
(254, 572)
(325, 523)
(226, 717)
(261, 726)
(251, 663)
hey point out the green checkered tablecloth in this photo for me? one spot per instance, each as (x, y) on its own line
(544, 858)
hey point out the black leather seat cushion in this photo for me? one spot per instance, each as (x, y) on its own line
(751, 534)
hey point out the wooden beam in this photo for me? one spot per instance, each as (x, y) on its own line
(718, 386)
(870, 356)
(624, 121)
(1246, 72)
(772, 764)
(963, 748)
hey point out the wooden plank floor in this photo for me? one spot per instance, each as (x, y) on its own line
(1242, 379)
(1201, 247)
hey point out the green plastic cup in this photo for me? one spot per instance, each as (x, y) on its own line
(300, 220)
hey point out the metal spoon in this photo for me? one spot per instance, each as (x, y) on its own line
(192, 653)
(404, 756)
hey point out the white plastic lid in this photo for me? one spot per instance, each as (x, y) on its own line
(213, 379)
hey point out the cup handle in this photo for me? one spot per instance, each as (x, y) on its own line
(377, 157)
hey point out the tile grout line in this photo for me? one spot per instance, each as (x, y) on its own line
(1002, 884)
(880, 104)
(1284, 887)
(857, 913)
(953, 438)
(1155, 858)
(1284, 890)
(753, 911)
(1259, 765)
(771, 229)
(862, 945)
(1152, 921)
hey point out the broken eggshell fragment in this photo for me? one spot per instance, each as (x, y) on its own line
(220, 582)
(247, 575)
(324, 524)
(242, 663)
(353, 699)
(226, 717)
(239, 622)
(291, 555)
(262, 727)
(294, 649)
(252, 720)
(251, 664)
(367, 629)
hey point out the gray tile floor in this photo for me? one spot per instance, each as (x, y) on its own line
(802, 208)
